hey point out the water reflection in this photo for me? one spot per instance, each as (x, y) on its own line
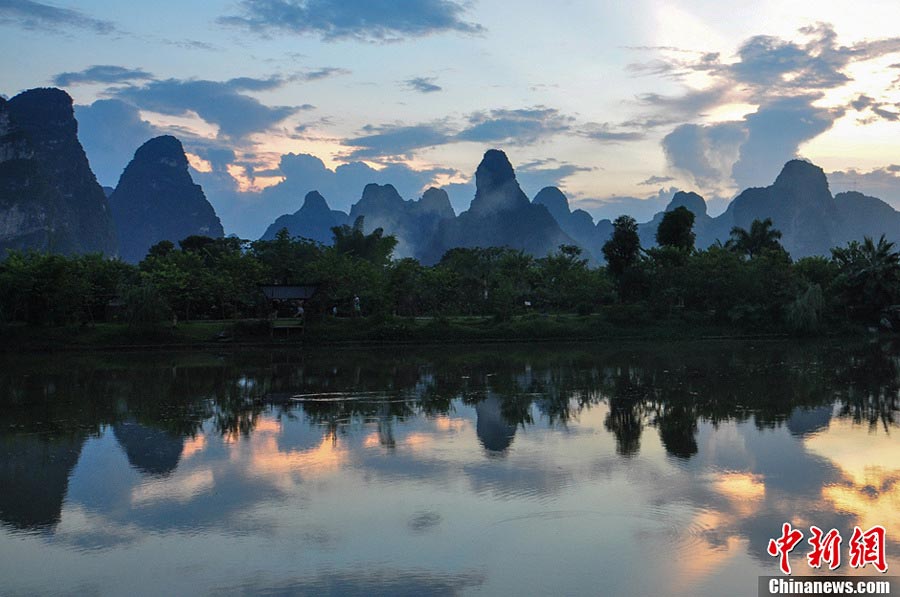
(417, 470)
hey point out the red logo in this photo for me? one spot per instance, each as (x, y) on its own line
(827, 548)
(868, 548)
(784, 545)
(865, 547)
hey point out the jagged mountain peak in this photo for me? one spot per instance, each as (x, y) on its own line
(314, 201)
(436, 201)
(494, 171)
(554, 200)
(383, 192)
(690, 200)
(496, 188)
(156, 199)
(804, 179)
(165, 150)
(69, 213)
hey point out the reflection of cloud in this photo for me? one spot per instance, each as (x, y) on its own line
(368, 582)
(743, 489)
(283, 469)
(870, 463)
(179, 488)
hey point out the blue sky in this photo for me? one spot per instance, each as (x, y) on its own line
(617, 103)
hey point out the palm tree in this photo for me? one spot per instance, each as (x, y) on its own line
(761, 237)
(870, 273)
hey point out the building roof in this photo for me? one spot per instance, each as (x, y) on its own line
(288, 293)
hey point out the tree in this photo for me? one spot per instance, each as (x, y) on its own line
(869, 276)
(677, 229)
(761, 237)
(623, 248)
(375, 247)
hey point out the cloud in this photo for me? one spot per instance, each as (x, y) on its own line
(889, 111)
(656, 180)
(362, 20)
(397, 140)
(221, 103)
(520, 127)
(786, 80)
(535, 175)
(101, 73)
(423, 85)
(111, 131)
(602, 133)
(883, 182)
(706, 153)
(641, 209)
(324, 72)
(509, 127)
(774, 134)
(36, 15)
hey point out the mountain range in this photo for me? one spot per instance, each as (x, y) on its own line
(50, 201)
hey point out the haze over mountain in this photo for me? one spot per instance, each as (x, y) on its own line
(156, 200)
(500, 215)
(49, 198)
(578, 224)
(799, 203)
(314, 220)
(412, 222)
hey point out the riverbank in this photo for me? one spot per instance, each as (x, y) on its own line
(381, 330)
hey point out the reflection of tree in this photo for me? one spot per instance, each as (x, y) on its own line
(155, 402)
(625, 417)
(869, 382)
(677, 426)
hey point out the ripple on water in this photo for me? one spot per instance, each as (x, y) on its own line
(678, 529)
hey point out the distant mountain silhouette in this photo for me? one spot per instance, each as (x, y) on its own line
(704, 226)
(800, 205)
(578, 224)
(860, 215)
(314, 220)
(156, 199)
(412, 222)
(500, 215)
(49, 198)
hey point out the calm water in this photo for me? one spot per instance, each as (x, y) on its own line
(635, 470)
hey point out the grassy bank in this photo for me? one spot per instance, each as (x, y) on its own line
(611, 325)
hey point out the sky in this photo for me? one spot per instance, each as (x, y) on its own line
(619, 104)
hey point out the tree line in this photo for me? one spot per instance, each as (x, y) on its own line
(748, 281)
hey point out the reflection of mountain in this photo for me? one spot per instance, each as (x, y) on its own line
(34, 475)
(805, 421)
(151, 451)
(492, 428)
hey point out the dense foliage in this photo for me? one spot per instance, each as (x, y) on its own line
(749, 282)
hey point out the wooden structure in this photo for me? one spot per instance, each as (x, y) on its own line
(289, 299)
